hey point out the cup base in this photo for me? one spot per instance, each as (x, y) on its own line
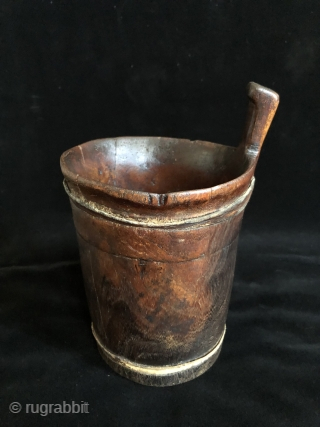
(159, 376)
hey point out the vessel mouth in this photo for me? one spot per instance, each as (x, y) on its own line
(154, 165)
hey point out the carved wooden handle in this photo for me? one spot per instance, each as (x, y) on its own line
(262, 107)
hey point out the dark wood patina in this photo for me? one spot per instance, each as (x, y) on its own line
(158, 221)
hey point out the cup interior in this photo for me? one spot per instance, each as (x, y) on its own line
(154, 165)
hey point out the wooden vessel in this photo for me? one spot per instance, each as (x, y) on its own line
(158, 221)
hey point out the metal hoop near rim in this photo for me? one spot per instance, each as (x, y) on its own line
(236, 206)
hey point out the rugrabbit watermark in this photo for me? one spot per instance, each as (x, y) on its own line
(44, 409)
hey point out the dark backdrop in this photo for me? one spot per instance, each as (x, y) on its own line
(72, 71)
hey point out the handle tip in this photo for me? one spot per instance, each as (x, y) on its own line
(261, 93)
(262, 107)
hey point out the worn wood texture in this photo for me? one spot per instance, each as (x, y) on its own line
(158, 221)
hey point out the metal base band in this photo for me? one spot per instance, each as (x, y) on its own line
(159, 376)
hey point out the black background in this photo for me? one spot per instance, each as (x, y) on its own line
(73, 71)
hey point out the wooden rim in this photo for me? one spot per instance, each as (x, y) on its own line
(227, 209)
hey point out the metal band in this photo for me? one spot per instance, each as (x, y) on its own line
(156, 371)
(235, 207)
